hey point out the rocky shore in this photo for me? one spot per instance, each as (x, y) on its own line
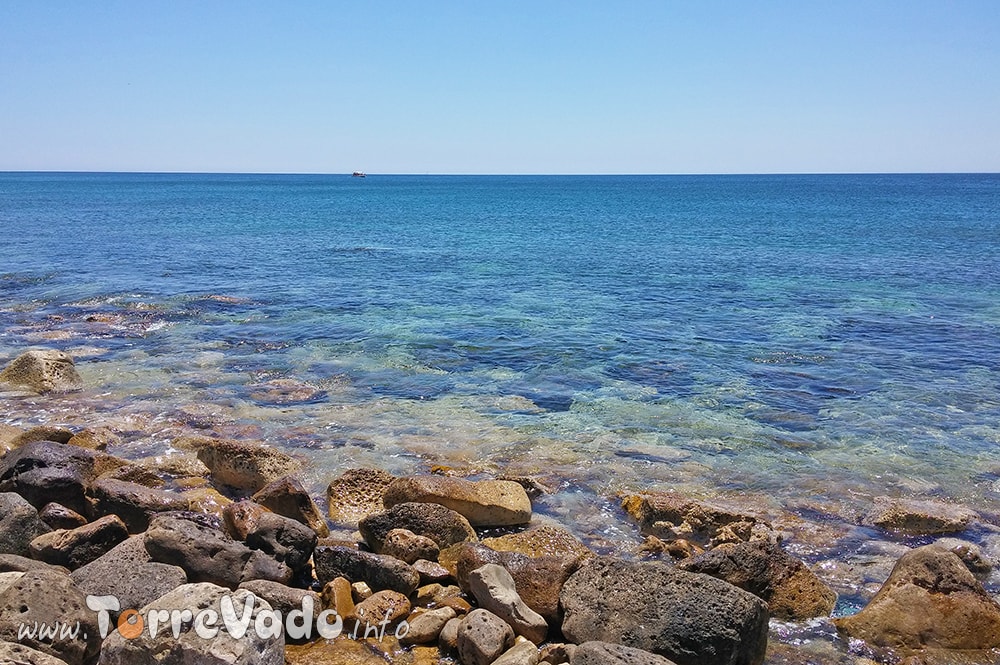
(422, 568)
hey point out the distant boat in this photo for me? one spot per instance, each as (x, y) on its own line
(358, 174)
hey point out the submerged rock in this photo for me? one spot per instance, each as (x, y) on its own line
(791, 590)
(357, 493)
(691, 619)
(243, 465)
(43, 370)
(918, 517)
(484, 503)
(669, 516)
(930, 600)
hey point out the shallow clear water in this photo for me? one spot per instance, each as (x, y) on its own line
(805, 342)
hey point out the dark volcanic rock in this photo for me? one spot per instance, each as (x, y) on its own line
(73, 548)
(287, 497)
(19, 524)
(691, 619)
(791, 590)
(376, 570)
(431, 520)
(45, 471)
(284, 539)
(135, 504)
(605, 653)
(59, 516)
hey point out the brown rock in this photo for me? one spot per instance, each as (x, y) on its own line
(43, 433)
(206, 500)
(98, 438)
(425, 626)
(408, 546)
(356, 494)
(541, 541)
(337, 596)
(430, 520)
(484, 503)
(242, 517)
(243, 465)
(77, 547)
(138, 474)
(482, 637)
(918, 517)
(287, 497)
(430, 571)
(43, 370)
(930, 600)
(382, 606)
(669, 516)
(790, 589)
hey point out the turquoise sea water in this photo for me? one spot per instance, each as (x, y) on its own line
(806, 342)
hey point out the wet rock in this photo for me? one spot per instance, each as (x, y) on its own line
(791, 591)
(242, 517)
(669, 516)
(45, 471)
(485, 503)
(44, 596)
(377, 570)
(8, 434)
(972, 555)
(430, 571)
(689, 618)
(285, 391)
(245, 465)
(337, 596)
(378, 649)
(43, 370)
(208, 555)
(222, 649)
(541, 541)
(10, 563)
(494, 590)
(285, 599)
(73, 548)
(434, 594)
(425, 627)
(284, 539)
(206, 500)
(675, 549)
(356, 494)
(135, 504)
(930, 600)
(128, 573)
(918, 517)
(42, 433)
(606, 653)
(386, 606)
(19, 524)
(538, 579)
(19, 654)
(138, 474)
(98, 438)
(442, 525)
(482, 637)
(288, 498)
(408, 546)
(360, 591)
(58, 516)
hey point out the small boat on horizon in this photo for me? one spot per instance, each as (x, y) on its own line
(358, 174)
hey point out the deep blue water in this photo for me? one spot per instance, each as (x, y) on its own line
(819, 335)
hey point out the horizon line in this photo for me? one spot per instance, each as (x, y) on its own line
(456, 174)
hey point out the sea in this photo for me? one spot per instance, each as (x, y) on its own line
(797, 343)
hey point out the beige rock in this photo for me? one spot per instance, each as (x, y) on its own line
(244, 465)
(540, 541)
(918, 517)
(356, 494)
(484, 503)
(97, 438)
(483, 637)
(43, 370)
(425, 626)
(408, 546)
(77, 547)
(242, 518)
(669, 516)
(495, 591)
(43, 433)
(206, 500)
(522, 653)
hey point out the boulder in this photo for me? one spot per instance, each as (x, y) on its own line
(285, 599)
(486, 503)
(377, 570)
(606, 653)
(356, 494)
(58, 516)
(242, 517)
(538, 579)
(382, 606)
(431, 520)
(42, 433)
(425, 627)
(208, 555)
(409, 547)
(190, 648)
(541, 541)
(791, 591)
(43, 370)
(284, 539)
(45, 597)
(288, 498)
(494, 590)
(669, 516)
(245, 466)
(689, 618)
(135, 504)
(482, 637)
(98, 438)
(19, 654)
(19, 524)
(22, 564)
(73, 548)
(45, 471)
(128, 573)
(930, 600)
(524, 652)
(918, 517)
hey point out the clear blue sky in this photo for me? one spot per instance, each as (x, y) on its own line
(500, 87)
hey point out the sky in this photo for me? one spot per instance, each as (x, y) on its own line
(580, 86)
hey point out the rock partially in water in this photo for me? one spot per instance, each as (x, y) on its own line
(243, 465)
(43, 433)
(97, 438)
(691, 619)
(670, 516)
(43, 370)
(223, 649)
(494, 590)
(930, 600)
(443, 526)
(918, 517)
(547, 540)
(19, 524)
(77, 547)
(790, 589)
(45, 471)
(356, 494)
(485, 503)
(978, 563)
(286, 496)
